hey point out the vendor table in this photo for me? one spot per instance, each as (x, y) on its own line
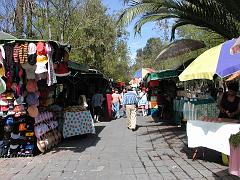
(212, 135)
(77, 123)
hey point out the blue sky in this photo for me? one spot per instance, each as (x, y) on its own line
(134, 42)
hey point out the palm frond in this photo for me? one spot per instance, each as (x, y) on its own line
(141, 8)
(151, 18)
(177, 25)
(220, 16)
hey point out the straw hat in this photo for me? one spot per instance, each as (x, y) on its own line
(31, 85)
(33, 111)
(41, 144)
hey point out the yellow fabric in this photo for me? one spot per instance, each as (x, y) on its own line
(2, 71)
(203, 67)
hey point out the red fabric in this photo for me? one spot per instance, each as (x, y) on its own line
(109, 106)
(41, 49)
(153, 83)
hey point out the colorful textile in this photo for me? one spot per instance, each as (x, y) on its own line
(216, 60)
(143, 72)
(77, 123)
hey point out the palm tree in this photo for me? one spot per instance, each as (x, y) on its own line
(220, 16)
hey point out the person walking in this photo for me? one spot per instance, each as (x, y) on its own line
(97, 101)
(116, 99)
(123, 108)
(143, 102)
(130, 102)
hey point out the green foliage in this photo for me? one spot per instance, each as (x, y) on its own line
(146, 56)
(93, 34)
(221, 16)
(235, 140)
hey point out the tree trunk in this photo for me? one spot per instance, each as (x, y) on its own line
(29, 19)
(19, 19)
(48, 21)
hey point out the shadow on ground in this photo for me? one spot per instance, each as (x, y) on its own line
(79, 143)
(170, 132)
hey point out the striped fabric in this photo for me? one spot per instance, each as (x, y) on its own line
(15, 53)
(23, 53)
(130, 98)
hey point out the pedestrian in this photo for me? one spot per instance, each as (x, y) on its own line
(116, 99)
(230, 102)
(130, 102)
(96, 102)
(123, 108)
(143, 102)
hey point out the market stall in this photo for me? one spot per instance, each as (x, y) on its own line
(161, 86)
(78, 88)
(206, 129)
(27, 81)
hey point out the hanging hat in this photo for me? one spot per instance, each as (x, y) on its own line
(9, 121)
(18, 101)
(42, 59)
(41, 48)
(31, 85)
(41, 144)
(32, 48)
(62, 70)
(3, 103)
(41, 68)
(30, 70)
(9, 95)
(2, 86)
(16, 52)
(33, 111)
(32, 99)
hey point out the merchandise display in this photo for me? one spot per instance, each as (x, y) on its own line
(46, 131)
(26, 75)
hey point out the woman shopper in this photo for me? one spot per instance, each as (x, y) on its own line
(116, 99)
(143, 102)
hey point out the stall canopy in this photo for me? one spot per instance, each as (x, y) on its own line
(5, 36)
(165, 74)
(217, 60)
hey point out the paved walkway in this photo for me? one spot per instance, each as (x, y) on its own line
(154, 151)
